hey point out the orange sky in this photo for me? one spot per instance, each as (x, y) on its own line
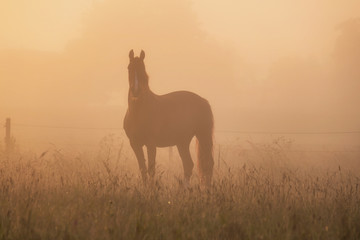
(261, 29)
(40, 24)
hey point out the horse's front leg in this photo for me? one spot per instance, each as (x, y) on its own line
(151, 151)
(139, 153)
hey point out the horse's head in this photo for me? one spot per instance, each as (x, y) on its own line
(138, 79)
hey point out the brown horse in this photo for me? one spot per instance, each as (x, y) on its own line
(167, 120)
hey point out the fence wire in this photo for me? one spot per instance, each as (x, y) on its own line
(219, 131)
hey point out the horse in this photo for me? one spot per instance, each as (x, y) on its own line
(167, 120)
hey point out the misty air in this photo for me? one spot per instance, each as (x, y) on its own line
(186, 119)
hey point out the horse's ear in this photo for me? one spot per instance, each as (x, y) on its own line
(131, 54)
(142, 55)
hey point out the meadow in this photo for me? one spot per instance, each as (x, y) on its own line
(267, 195)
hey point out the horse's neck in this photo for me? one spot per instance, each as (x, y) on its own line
(146, 96)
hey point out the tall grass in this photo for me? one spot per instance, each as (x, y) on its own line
(56, 195)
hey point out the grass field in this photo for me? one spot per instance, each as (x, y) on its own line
(55, 195)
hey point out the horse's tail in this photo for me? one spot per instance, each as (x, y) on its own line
(204, 135)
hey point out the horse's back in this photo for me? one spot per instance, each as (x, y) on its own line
(183, 113)
(183, 103)
(183, 98)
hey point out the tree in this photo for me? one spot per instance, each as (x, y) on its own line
(179, 55)
(346, 57)
(296, 84)
(347, 49)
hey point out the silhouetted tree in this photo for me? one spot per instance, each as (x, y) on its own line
(347, 49)
(295, 83)
(346, 57)
(179, 54)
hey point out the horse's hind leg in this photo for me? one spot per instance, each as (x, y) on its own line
(139, 153)
(205, 156)
(188, 164)
(151, 151)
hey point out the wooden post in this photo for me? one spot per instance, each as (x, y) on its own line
(219, 156)
(170, 154)
(7, 135)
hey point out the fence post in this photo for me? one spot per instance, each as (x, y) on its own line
(219, 156)
(7, 135)
(170, 154)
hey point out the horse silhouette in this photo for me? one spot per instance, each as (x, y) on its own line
(166, 120)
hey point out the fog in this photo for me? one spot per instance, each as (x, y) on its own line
(274, 66)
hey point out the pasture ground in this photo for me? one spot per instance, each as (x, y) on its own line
(56, 195)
